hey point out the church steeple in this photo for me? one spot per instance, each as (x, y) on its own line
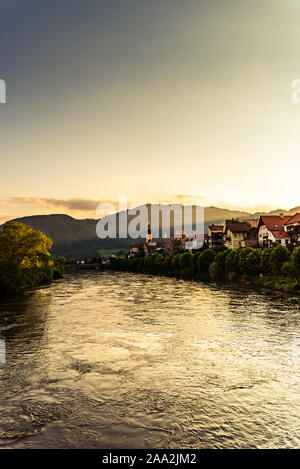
(149, 235)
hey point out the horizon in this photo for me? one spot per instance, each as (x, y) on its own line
(236, 210)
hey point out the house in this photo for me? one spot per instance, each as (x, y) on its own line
(181, 238)
(194, 242)
(253, 222)
(206, 239)
(216, 235)
(174, 243)
(235, 234)
(151, 248)
(136, 250)
(271, 229)
(168, 245)
(292, 228)
(251, 239)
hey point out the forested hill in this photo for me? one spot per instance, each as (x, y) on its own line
(77, 238)
(71, 237)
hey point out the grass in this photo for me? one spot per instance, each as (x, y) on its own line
(110, 252)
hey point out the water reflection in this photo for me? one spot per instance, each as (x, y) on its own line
(123, 360)
(22, 322)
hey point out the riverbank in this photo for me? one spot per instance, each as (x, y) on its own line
(76, 267)
(271, 267)
(268, 282)
(16, 281)
(284, 285)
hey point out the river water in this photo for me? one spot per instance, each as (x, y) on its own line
(118, 360)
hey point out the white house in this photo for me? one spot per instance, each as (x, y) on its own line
(292, 228)
(271, 229)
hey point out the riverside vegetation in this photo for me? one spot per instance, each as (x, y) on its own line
(25, 261)
(274, 267)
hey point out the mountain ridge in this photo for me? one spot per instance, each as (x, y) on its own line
(77, 237)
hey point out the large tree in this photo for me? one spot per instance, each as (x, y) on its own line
(24, 247)
(25, 261)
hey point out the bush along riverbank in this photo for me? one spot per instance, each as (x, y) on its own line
(25, 261)
(272, 267)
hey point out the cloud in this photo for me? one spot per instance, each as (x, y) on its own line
(190, 196)
(4, 202)
(87, 208)
(76, 204)
(184, 198)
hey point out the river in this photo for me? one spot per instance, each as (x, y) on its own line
(120, 360)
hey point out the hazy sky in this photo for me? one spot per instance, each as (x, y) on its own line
(151, 99)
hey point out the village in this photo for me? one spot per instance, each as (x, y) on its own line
(266, 230)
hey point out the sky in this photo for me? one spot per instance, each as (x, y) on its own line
(161, 101)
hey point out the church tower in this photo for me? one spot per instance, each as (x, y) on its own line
(149, 235)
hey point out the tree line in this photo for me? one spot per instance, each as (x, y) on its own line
(265, 264)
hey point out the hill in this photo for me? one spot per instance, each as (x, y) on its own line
(77, 238)
(71, 237)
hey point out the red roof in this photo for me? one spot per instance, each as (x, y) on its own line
(293, 219)
(275, 222)
(252, 221)
(137, 245)
(280, 235)
(152, 246)
(239, 228)
(216, 228)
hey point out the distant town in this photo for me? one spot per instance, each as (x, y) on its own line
(234, 234)
(266, 231)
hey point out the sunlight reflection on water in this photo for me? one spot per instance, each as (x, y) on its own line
(122, 360)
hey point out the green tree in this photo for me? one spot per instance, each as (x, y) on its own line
(23, 246)
(178, 246)
(184, 260)
(148, 263)
(265, 261)
(253, 262)
(288, 269)
(205, 259)
(296, 258)
(159, 263)
(194, 260)
(62, 260)
(176, 261)
(279, 256)
(220, 258)
(243, 254)
(25, 260)
(232, 262)
(217, 249)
